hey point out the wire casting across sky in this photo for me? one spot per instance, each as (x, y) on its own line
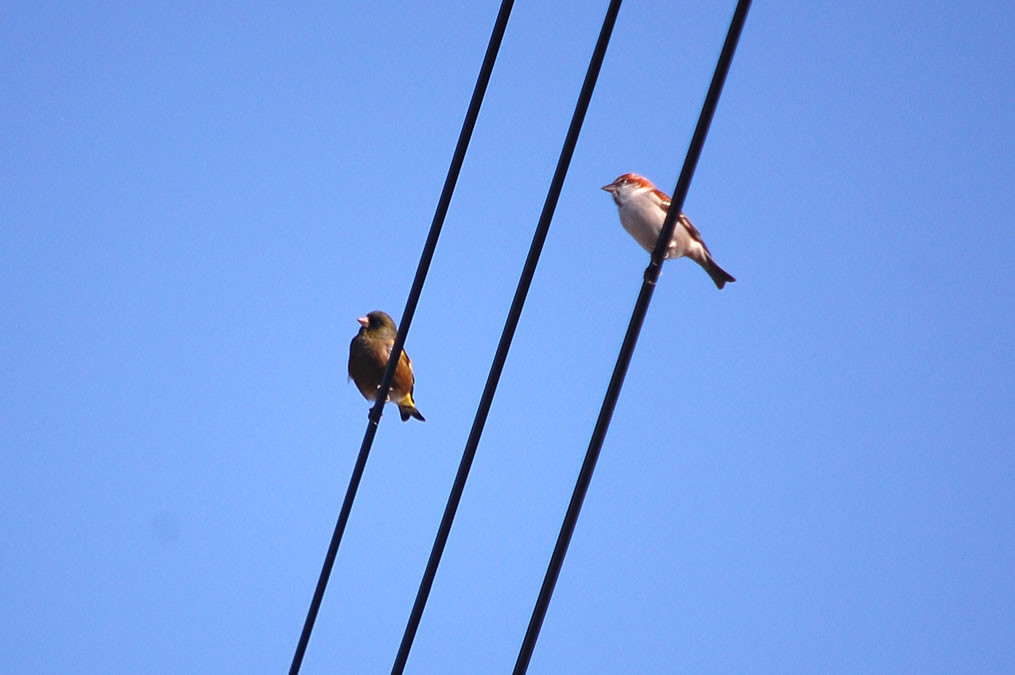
(631, 338)
(510, 325)
(500, 25)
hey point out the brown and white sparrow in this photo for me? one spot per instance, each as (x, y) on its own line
(642, 212)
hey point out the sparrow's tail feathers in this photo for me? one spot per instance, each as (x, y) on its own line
(720, 276)
(407, 409)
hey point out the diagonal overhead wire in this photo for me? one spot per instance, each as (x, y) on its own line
(631, 338)
(511, 323)
(496, 37)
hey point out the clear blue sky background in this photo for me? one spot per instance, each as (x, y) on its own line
(810, 471)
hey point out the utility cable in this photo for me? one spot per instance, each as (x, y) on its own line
(631, 338)
(403, 326)
(500, 356)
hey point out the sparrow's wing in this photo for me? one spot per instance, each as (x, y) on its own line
(664, 199)
(682, 220)
(686, 223)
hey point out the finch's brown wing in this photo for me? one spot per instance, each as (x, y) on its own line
(404, 378)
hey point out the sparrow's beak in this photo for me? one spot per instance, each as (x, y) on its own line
(609, 188)
(363, 321)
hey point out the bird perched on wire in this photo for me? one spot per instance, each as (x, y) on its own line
(368, 356)
(642, 212)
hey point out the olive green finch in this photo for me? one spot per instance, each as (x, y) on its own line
(368, 356)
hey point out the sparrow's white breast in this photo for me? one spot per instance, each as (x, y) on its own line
(643, 220)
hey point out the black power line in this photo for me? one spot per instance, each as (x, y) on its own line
(403, 327)
(631, 338)
(492, 380)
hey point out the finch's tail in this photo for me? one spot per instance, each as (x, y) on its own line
(720, 276)
(407, 409)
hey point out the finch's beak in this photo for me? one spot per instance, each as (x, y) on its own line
(609, 188)
(363, 321)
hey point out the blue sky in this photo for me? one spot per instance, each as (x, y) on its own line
(810, 471)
